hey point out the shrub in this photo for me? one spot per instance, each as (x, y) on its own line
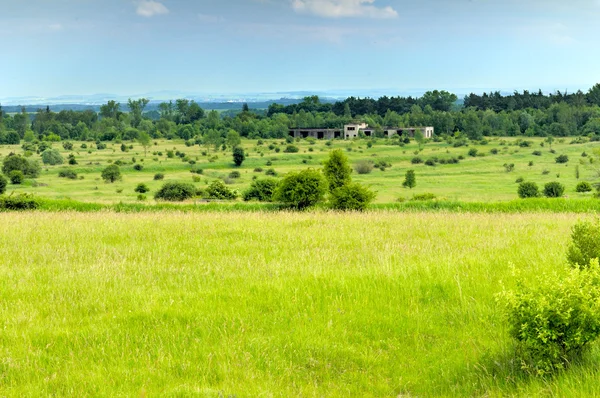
(141, 197)
(218, 190)
(235, 174)
(19, 202)
(472, 152)
(537, 153)
(554, 318)
(238, 156)
(423, 197)
(68, 146)
(142, 188)
(410, 180)
(336, 170)
(528, 190)
(175, 192)
(291, 149)
(111, 173)
(363, 167)
(16, 177)
(583, 186)
(554, 190)
(261, 190)
(138, 167)
(416, 160)
(30, 168)
(70, 174)
(271, 172)
(430, 162)
(519, 180)
(301, 190)
(494, 151)
(3, 184)
(258, 170)
(352, 196)
(508, 167)
(585, 243)
(562, 159)
(159, 176)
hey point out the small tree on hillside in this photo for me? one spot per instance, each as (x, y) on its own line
(238, 156)
(410, 181)
(111, 173)
(301, 190)
(420, 138)
(336, 170)
(145, 141)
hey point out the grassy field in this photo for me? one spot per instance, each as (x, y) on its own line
(474, 179)
(271, 304)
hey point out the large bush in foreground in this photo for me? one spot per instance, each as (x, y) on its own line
(528, 190)
(22, 201)
(218, 190)
(585, 243)
(175, 192)
(554, 189)
(351, 196)
(261, 190)
(30, 169)
(555, 318)
(300, 190)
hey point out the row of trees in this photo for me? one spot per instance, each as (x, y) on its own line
(561, 115)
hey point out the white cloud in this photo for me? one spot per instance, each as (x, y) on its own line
(150, 8)
(343, 8)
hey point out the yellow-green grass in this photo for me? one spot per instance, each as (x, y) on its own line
(271, 304)
(481, 179)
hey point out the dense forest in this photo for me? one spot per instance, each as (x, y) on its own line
(493, 114)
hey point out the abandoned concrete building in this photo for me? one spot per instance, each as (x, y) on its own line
(353, 130)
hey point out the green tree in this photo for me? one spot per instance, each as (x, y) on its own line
(30, 168)
(238, 156)
(3, 183)
(145, 141)
(16, 177)
(420, 138)
(175, 192)
(337, 170)
(301, 190)
(52, 157)
(410, 181)
(233, 139)
(111, 173)
(110, 110)
(352, 197)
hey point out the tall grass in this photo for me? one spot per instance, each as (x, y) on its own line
(270, 304)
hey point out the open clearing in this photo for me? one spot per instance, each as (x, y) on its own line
(280, 304)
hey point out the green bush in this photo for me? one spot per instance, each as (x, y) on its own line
(562, 159)
(554, 190)
(555, 318)
(472, 152)
(52, 157)
(416, 160)
(336, 170)
(351, 196)
(423, 197)
(261, 190)
(111, 173)
(235, 174)
(528, 190)
(583, 186)
(3, 184)
(70, 174)
(301, 190)
(175, 192)
(30, 168)
(291, 149)
(364, 167)
(19, 202)
(238, 156)
(159, 176)
(218, 190)
(138, 167)
(16, 177)
(585, 243)
(537, 153)
(142, 188)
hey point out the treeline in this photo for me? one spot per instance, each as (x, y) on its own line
(526, 114)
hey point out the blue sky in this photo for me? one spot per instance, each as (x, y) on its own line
(129, 47)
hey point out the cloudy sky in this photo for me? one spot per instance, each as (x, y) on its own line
(128, 47)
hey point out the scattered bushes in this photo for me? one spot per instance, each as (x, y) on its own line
(261, 190)
(352, 197)
(364, 167)
(30, 168)
(301, 190)
(175, 192)
(70, 174)
(583, 186)
(528, 190)
(554, 190)
(218, 190)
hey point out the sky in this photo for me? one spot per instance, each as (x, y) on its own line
(133, 47)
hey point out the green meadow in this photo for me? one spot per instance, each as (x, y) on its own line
(473, 179)
(272, 304)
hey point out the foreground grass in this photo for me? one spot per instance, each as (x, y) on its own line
(274, 304)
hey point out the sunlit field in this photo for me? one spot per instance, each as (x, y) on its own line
(280, 304)
(480, 178)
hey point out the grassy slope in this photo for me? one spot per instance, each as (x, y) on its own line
(480, 179)
(317, 304)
